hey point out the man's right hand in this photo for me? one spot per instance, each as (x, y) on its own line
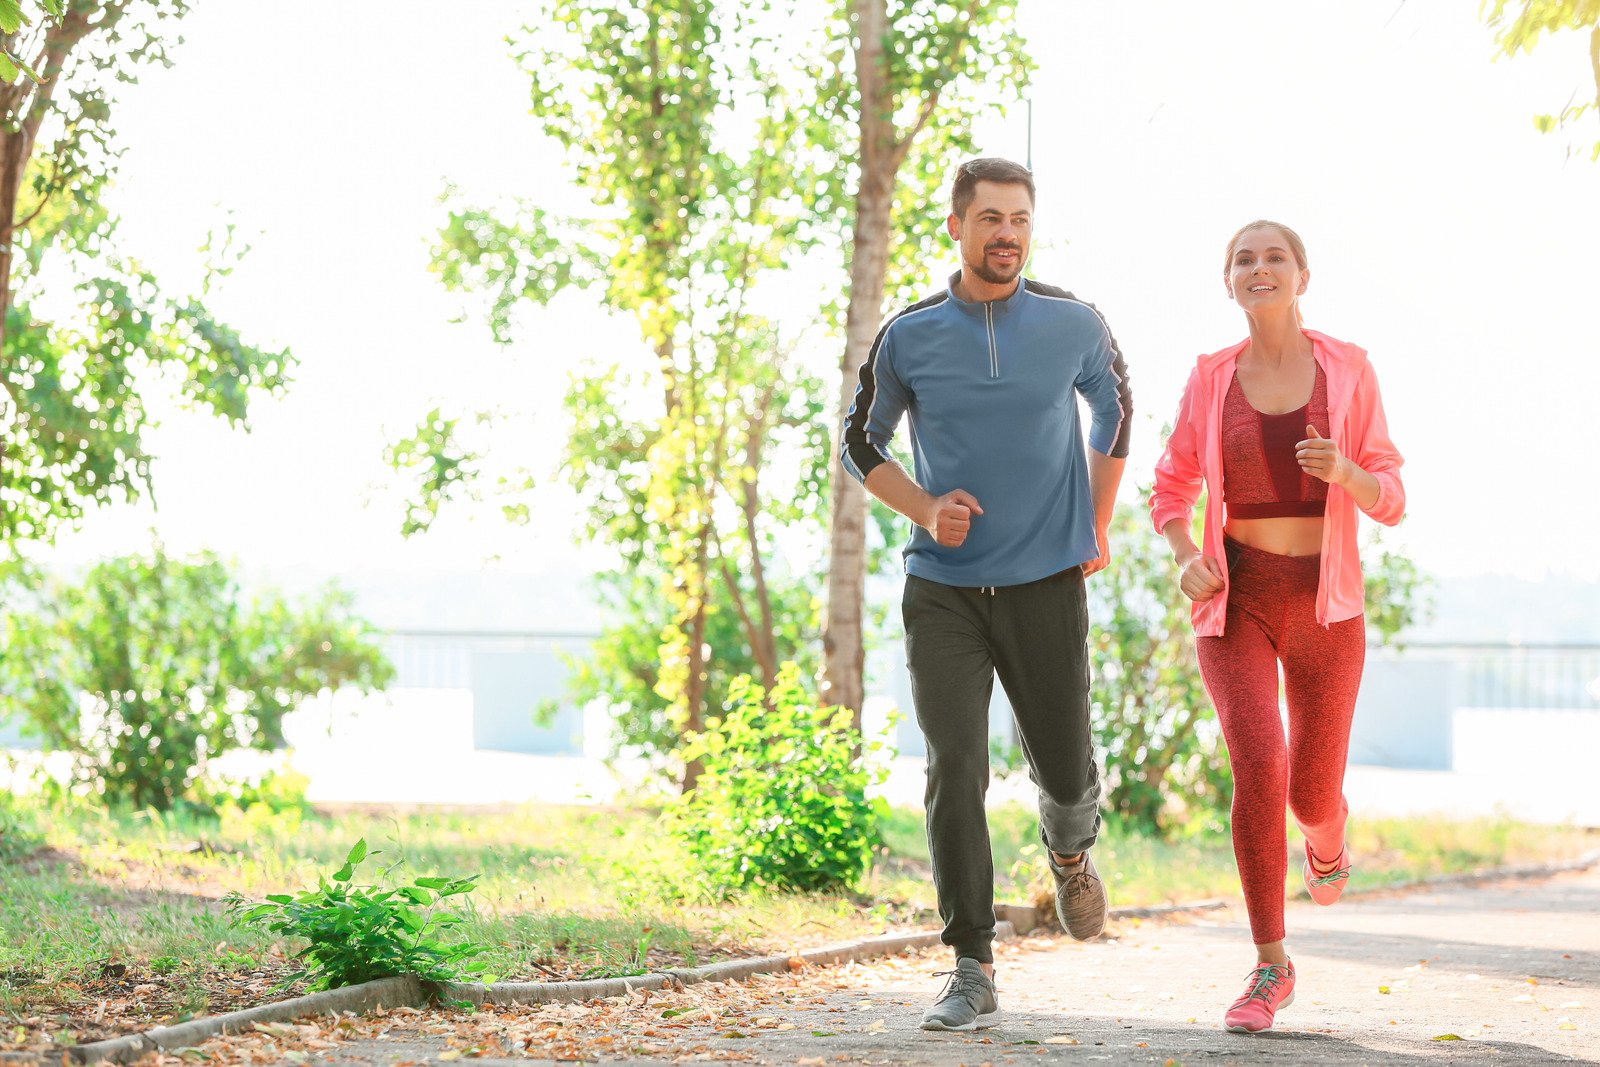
(950, 517)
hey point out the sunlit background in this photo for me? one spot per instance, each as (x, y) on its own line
(1446, 235)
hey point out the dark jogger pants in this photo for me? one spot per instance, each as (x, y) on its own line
(1035, 637)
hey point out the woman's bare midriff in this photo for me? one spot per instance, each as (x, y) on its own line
(1290, 536)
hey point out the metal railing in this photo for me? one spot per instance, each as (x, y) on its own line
(442, 659)
(1504, 675)
(1485, 674)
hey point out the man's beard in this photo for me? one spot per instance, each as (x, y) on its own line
(994, 277)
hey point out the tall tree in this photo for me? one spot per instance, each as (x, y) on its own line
(72, 411)
(718, 158)
(909, 86)
(683, 121)
(1531, 22)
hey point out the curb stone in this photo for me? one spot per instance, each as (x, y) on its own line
(409, 992)
(1026, 918)
(403, 991)
(731, 971)
(1013, 920)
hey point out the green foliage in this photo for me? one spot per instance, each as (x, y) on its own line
(358, 933)
(1398, 594)
(718, 145)
(947, 64)
(150, 666)
(1532, 21)
(13, 18)
(1165, 761)
(73, 388)
(277, 791)
(622, 667)
(268, 805)
(523, 253)
(1166, 764)
(75, 391)
(19, 829)
(701, 455)
(433, 457)
(782, 800)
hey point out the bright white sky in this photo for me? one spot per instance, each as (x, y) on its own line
(1445, 235)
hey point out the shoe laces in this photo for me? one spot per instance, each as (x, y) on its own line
(1337, 875)
(1265, 980)
(959, 982)
(1077, 875)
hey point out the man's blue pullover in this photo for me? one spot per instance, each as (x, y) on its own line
(991, 391)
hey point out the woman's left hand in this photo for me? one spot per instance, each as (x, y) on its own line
(1320, 458)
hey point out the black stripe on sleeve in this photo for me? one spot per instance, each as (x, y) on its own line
(1119, 367)
(858, 454)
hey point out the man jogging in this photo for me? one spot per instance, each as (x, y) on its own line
(1011, 516)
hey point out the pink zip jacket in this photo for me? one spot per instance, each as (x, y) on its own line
(1193, 458)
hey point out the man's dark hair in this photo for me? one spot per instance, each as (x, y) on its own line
(986, 169)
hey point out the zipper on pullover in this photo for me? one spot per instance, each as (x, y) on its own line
(994, 349)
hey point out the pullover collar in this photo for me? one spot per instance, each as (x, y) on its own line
(977, 308)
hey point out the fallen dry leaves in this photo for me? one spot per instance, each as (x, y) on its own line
(681, 1023)
(121, 999)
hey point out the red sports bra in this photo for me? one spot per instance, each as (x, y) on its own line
(1261, 477)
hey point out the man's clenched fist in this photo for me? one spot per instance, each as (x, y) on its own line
(950, 517)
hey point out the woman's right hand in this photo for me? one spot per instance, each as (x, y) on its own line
(1200, 578)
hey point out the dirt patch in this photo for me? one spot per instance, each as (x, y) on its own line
(117, 999)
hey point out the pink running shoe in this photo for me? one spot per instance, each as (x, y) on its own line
(1269, 987)
(1326, 888)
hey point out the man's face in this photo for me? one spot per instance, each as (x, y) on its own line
(995, 232)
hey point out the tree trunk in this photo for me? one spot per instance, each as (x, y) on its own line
(694, 687)
(844, 655)
(13, 159)
(24, 108)
(763, 641)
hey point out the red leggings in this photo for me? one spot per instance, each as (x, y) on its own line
(1272, 609)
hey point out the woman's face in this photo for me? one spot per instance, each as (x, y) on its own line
(1263, 273)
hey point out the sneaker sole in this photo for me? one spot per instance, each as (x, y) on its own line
(1246, 1030)
(981, 1022)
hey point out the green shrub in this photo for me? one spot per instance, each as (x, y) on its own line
(1167, 768)
(271, 805)
(149, 667)
(358, 933)
(278, 791)
(19, 830)
(1165, 763)
(782, 800)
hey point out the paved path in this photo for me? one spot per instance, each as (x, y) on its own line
(1512, 969)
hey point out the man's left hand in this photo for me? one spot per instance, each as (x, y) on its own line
(1102, 539)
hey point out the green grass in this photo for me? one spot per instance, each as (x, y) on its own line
(564, 891)
(1142, 870)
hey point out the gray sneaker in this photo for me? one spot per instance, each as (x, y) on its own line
(1080, 897)
(967, 1002)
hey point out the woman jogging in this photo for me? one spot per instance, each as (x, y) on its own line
(1285, 432)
